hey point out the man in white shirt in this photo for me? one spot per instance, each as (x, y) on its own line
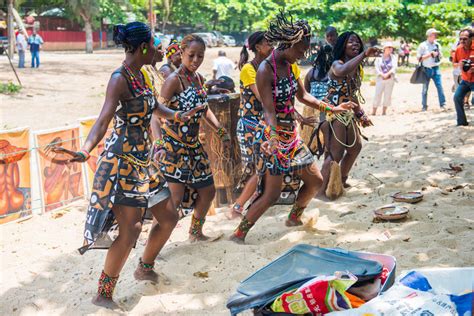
(21, 47)
(223, 66)
(429, 52)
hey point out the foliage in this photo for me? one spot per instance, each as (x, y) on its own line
(9, 88)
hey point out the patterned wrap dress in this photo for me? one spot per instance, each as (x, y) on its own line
(185, 160)
(119, 180)
(286, 121)
(250, 113)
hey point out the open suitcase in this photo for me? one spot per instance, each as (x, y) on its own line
(300, 264)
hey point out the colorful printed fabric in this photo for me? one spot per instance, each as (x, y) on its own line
(172, 48)
(319, 296)
(249, 104)
(117, 179)
(106, 285)
(246, 138)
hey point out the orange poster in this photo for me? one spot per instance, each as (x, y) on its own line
(91, 165)
(60, 183)
(15, 180)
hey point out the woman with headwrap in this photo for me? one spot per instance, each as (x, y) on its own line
(173, 59)
(279, 150)
(126, 181)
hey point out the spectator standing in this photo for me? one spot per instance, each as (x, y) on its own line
(35, 41)
(223, 66)
(464, 58)
(21, 47)
(429, 52)
(385, 67)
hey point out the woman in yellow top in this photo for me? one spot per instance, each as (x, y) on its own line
(278, 148)
(250, 113)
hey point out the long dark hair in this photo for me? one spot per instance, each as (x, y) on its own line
(131, 35)
(188, 39)
(340, 47)
(323, 61)
(252, 41)
(286, 33)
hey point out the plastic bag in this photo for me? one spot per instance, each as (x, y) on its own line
(318, 296)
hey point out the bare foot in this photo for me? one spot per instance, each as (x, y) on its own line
(236, 239)
(292, 223)
(346, 185)
(109, 303)
(141, 274)
(199, 237)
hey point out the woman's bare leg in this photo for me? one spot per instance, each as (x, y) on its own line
(130, 226)
(203, 203)
(166, 215)
(312, 181)
(247, 192)
(351, 154)
(271, 193)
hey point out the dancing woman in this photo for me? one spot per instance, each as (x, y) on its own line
(250, 114)
(185, 164)
(279, 149)
(126, 181)
(342, 143)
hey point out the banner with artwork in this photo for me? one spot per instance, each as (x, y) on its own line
(91, 165)
(15, 179)
(60, 183)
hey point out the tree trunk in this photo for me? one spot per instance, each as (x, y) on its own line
(89, 39)
(167, 5)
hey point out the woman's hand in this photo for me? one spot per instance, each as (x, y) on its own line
(186, 116)
(75, 156)
(269, 147)
(310, 120)
(372, 52)
(159, 155)
(345, 106)
(365, 121)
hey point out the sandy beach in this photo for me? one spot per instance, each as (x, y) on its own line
(408, 150)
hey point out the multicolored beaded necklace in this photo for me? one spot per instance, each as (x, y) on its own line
(136, 85)
(200, 90)
(287, 145)
(289, 108)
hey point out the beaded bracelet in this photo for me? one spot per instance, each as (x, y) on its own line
(360, 114)
(84, 153)
(221, 132)
(177, 116)
(159, 143)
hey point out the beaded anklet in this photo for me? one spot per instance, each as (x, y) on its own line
(146, 267)
(196, 226)
(296, 212)
(106, 285)
(243, 228)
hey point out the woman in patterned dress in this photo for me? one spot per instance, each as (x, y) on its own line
(127, 182)
(185, 164)
(250, 113)
(342, 143)
(278, 149)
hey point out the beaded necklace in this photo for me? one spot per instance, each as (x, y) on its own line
(289, 108)
(136, 85)
(200, 90)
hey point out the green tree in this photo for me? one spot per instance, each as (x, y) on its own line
(88, 11)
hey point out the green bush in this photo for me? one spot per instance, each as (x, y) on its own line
(9, 88)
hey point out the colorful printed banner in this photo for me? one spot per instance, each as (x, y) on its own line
(60, 183)
(91, 165)
(15, 179)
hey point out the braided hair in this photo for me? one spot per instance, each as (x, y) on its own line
(286, 33)
(253, 40)
(131, 35)
(323, 61)
(339, 53)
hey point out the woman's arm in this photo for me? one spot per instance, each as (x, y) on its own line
(117, 84)
(307, 80)
(264, 87)
(254, 89)
(340, 69)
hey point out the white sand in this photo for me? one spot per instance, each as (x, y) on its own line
(42, 273)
